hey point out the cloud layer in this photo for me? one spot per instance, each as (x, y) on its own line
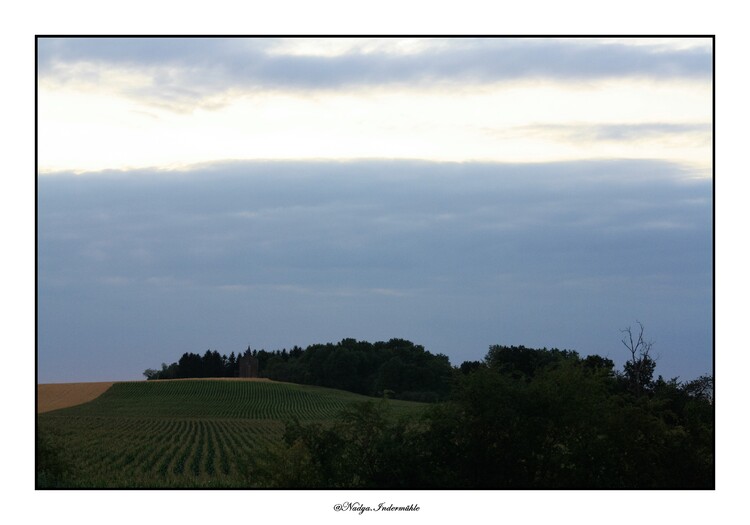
(192, 71)
(455, 256)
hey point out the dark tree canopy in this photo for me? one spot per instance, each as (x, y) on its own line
(403, 369)
(520, 418)
(523, 419)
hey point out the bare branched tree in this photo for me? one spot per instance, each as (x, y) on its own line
(640, 368)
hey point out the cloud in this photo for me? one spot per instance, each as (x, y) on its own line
(180, 72)
(244, 222)
(696, 132)
(456, 256)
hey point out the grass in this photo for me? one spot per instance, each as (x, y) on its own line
(183, 434)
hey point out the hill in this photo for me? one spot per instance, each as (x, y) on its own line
(398, 366)
(62, 395)
(187, 433)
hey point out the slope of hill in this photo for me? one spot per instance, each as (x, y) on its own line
(195, 433)
(62, 395)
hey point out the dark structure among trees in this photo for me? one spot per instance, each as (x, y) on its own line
(248, 366)
(397, 367)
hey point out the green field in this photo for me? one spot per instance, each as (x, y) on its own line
(191, 433)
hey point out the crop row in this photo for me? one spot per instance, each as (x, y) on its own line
(187, 433)
(216, 399)
(111, 452)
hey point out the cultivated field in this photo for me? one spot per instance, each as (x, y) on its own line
(63, 395)
(197, 433)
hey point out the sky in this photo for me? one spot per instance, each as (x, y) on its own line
(202, 193)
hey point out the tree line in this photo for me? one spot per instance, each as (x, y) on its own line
(396, 368)
(521, 418)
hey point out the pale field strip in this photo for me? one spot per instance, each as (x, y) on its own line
(63, 395)
(53, 396)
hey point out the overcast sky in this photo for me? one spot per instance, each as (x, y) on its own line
(220, 193)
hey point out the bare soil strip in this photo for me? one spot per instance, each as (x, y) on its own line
(64, 395)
